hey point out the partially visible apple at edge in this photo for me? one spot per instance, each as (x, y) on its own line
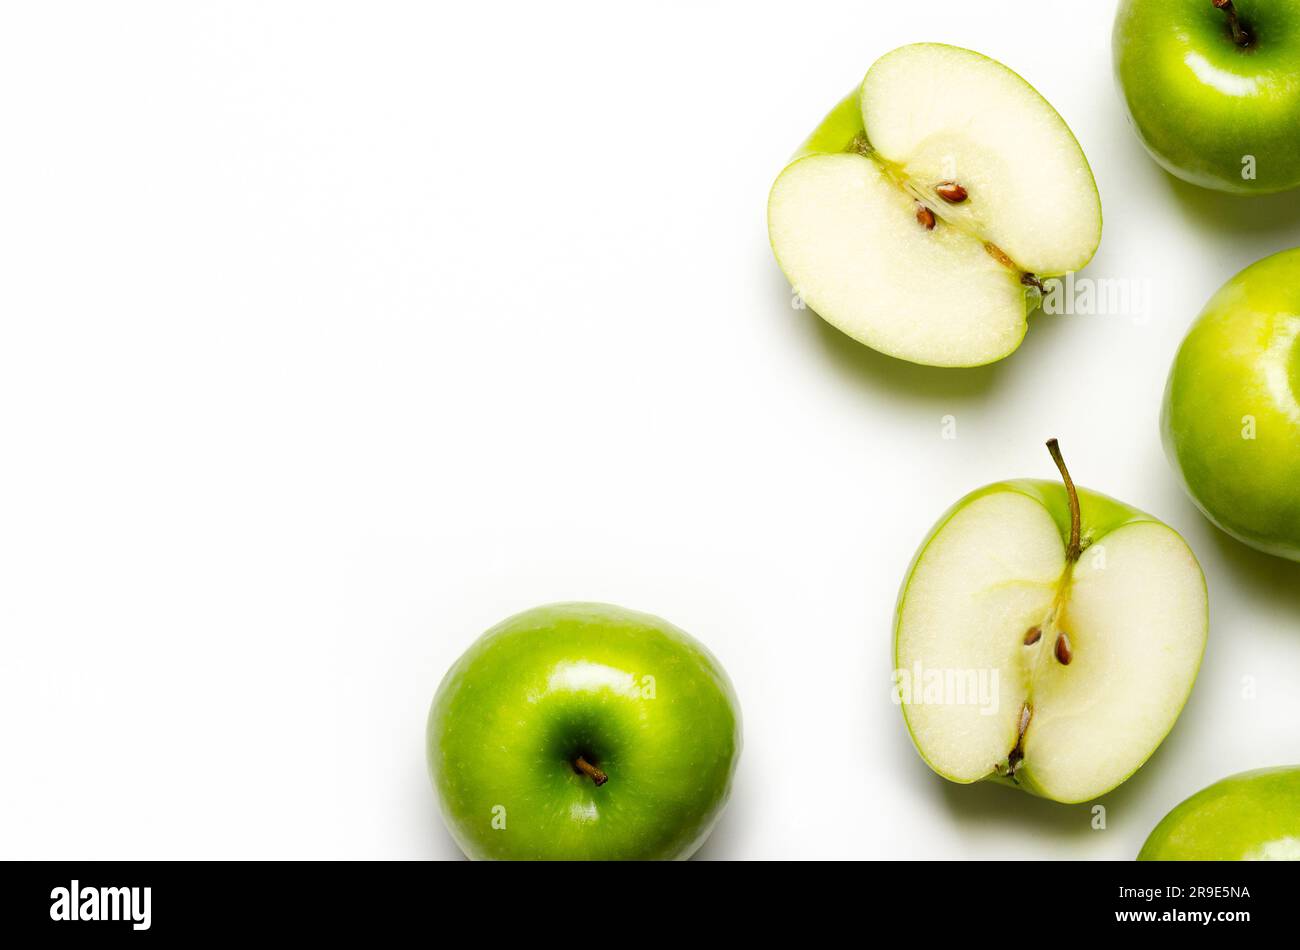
(1253, 816)
(1212, 89)
(1231, 416)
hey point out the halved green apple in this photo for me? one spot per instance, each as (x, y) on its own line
(1087, 616)
(923, 214)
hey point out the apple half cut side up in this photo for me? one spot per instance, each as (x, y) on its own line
(924, 213)
(1082, 621)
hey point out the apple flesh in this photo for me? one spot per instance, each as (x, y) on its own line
(923, 213)
(1211, 89)
(1254, 816)
(1090, 616)
(1231, 417)
(583, 731)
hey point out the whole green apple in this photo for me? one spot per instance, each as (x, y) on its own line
(1251, 816)
(583, 731)
(1213, 88)
(1231, 417)
(1047, 637)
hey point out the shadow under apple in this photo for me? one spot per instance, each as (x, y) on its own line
(1253, 215)
(988, 803)
(732, 827)
(869, 370)
(991, 804)
(1263, 578)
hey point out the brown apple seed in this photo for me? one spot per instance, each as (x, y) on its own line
(950, 192)
(1063, 652)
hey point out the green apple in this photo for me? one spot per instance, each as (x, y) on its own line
(1047, 637)
(1211, 88)
(923, 214)
(583, 731)
(1248, 817)
(1231, 417)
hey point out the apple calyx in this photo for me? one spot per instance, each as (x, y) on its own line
(1001, 256)
(1240, 35)
(582, 766)
(1018, 753)
(1031, 280)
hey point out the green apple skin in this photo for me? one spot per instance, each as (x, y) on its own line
(1248, 817)
(837, 131)
(637, 697)
(1237, 375)
(1200, 103)
(1099, 515)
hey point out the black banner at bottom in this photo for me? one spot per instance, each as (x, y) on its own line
(913, 900)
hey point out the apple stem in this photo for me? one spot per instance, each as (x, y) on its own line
(589, 770)
(1239, 34)
(1073, 550)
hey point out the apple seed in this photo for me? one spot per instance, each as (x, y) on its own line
(1063, 652)
(950, 192)
(1033, 635)
(924, 216)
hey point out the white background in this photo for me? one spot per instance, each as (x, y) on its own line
(332, 334)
